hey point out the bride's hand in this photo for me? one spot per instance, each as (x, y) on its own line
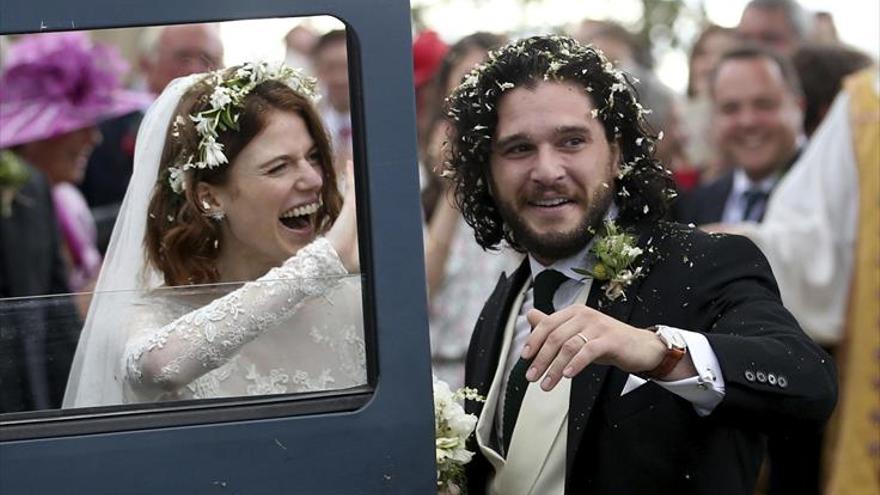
(343, 234)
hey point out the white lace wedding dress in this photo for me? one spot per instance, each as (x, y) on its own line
(296, 329)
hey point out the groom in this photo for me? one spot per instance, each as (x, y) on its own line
(626, 355)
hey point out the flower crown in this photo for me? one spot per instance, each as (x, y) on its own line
(227, 99)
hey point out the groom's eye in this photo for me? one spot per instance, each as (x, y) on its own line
(517, 149)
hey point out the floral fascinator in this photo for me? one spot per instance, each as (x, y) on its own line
(55, 83)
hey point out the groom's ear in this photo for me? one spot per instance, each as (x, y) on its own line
(207, 198)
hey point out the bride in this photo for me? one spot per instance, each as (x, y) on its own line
(233, 181)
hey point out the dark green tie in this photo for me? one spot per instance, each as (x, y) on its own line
(543, 289)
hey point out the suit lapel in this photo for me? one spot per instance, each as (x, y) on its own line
(485, 348)
(587, 386)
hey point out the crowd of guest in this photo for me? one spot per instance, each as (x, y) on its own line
(756, 98)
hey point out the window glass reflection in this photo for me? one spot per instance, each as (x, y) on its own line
(273, 336)
(206, 210)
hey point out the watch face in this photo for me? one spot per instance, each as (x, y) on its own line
(672, 338)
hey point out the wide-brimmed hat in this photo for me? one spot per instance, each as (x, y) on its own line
(55, 83)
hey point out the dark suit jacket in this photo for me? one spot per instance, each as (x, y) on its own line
(704, 204)
(651, 441)
(109, 171)
(38, 336)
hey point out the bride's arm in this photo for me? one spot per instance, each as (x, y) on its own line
(167, 358)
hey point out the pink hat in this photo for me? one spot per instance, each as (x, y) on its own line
(54, 83)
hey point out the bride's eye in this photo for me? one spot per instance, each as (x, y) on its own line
(277, 169)
(314, 157)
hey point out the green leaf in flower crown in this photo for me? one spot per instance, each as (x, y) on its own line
(230, 119)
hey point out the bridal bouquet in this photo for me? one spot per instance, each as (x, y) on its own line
(452, 427)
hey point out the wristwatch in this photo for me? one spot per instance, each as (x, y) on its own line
(676, 348)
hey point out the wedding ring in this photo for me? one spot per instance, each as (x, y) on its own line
(583, 338)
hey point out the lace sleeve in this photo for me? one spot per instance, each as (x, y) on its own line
(160, 359)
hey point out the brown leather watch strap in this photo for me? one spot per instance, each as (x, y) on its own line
(670, 360)
(672, 357)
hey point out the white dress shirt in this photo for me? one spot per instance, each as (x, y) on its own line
(735, 207)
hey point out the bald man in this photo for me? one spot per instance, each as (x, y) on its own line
(175, 51)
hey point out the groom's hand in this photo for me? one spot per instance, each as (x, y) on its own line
(564, 343)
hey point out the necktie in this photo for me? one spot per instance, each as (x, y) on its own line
(756, 200)
(543, 289)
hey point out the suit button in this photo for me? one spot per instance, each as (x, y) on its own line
(782, 381)
(771, 378)
(762, 378)
(750, 375)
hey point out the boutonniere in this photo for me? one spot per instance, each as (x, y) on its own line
(615, 252)
(13, 175)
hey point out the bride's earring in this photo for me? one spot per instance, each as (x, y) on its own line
(216, 215)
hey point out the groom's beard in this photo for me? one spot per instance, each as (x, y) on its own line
(558, 245)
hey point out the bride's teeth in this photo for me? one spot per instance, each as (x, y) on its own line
(301, 210)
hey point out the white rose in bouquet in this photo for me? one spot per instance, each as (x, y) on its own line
(452, 427)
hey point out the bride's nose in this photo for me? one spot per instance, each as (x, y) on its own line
(308, 177)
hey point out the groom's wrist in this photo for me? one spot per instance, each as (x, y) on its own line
(670, 348)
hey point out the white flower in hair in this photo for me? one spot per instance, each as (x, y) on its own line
(176, 179)
(220, 97)
(213, 153)
(203, 125)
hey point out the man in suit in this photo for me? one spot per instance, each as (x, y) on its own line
(38, 336)
(665, 372)
(757, 120)
(330, 60)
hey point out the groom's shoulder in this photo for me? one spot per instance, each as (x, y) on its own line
(680, 246)
(673, 236)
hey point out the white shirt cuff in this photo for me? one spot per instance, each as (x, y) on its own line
(704, 391)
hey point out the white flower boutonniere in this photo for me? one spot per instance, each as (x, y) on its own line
(615, 252)
(452, 427)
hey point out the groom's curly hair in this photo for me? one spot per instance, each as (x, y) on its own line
(643, 187)
(181, 242)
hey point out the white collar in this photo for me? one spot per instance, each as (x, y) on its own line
(565, 266)
(742, 183)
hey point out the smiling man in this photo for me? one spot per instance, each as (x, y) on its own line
(622, 344)
(757, 116)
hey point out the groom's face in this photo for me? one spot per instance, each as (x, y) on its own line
(552, 168)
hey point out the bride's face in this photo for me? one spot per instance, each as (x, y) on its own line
(272, 196)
